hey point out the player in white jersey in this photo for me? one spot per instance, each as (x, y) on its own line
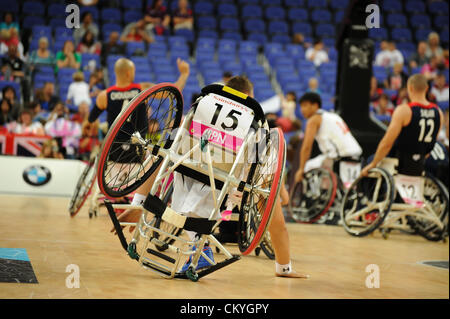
(329, 130)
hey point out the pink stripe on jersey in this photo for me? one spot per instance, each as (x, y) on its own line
(231, 142)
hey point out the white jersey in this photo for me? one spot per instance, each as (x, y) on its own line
(334, 137)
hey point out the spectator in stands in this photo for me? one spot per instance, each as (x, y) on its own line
(46, 96)
(317, 53)
(313, 85)
(401, 97)
(384, 105)
(25, 124)
(375, 90)
(419, 58)
(396, 78)
(440, 90)
(87, 2)
(13, 64)
(89, 139)
(136, 32)
(87, 23)
(298, 38)
(94, 88)
(446, 55)
(82, 114)
(157, 18)
(39, 115)
(288, 122)
(50, 149)
(9, 93)
(78, 90)
(88, 44)
(389, 55)
(434, 47)
(9, 34)
(431, 69)
(5, 112)
(112, 47)
(64, 130)
(41, 56)
(68, 58)
(182, 17)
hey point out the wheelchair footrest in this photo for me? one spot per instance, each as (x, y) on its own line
(160, 255)
(211, 269)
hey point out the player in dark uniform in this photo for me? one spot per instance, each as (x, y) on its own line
(412, 132)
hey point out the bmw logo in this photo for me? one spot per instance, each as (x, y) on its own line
(37, 175)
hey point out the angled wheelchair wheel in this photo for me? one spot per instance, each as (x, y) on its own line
(310, 199)
(367, 202)
(83, 188)
(437, 198)
(144, 125)
(257, 205)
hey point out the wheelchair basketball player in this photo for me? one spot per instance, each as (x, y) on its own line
(331, 133)
(412, 132)
(193, 197)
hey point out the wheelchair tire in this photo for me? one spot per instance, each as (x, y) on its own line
(266, 247)
(253, 222)
(306, 207)
(126, 145)
(439, 200)
(83, 188)
(369, 221)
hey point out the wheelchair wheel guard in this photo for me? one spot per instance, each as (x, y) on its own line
(128, 154)
(367, 202)
(258, 204)
(83, 188)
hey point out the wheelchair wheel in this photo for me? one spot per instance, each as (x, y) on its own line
(436, 196)
(266, 246)
(367, 202)
(313, 196)
(257, 204)
(83, 188)
(126, 159)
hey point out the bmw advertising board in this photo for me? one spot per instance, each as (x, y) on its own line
(37, 175)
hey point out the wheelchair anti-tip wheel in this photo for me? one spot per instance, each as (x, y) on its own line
(436, 196)
(367, 202)
(257, 205)
(128, 157)
(310, 199)
(83, 188)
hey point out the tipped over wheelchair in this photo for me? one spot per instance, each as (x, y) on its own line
(223, 142)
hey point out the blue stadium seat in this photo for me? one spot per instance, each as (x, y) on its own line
(56, 22)
(391, 6)
(278, 27)
(233, 67)
(401, 34)
(438, 7)
(38, 31)
(248, 47)
(245, 2)
(87, 57)
(56, 10)
(135, 47)
(131, 16)
(208, 34)
(63, 33)
(251, 11)
(111, 14)
(255, 25)
(206, 44)
(298, 14)
(260, 38)
(30, 21)
(444, 37)
(441, 21)
(229, 24)
(232, 36)
(274, 13)
(186, 33)
(339, 16)
(339, 4)
(321, 16)
(204, 8)
(281, 38)
(107, 28)
(422, 34)
(294, 3)
(397, 20)
(227, 9)
(9, 6)
(443, 105)
(380, 73)
(206, 22)
(132, 4)
(33, 8)
(420, 21)
(325, 30)
(295, 50)
(301, 27)
(317, 3)
(226, 46)
(415, 6)
(270, 2)
(92, 9)
(378, 34)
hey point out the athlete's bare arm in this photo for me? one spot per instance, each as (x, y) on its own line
(400, 118)
(183, 68)
(312, 127)
(102, 100)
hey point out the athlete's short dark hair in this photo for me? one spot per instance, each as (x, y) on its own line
(311, 97)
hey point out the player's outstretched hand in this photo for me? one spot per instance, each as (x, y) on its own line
(183, 66)
(365, 170)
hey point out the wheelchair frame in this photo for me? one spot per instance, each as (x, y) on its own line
(171, 160)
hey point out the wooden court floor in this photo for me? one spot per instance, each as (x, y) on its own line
(335, 260)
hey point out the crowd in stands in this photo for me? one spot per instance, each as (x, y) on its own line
(46, 107)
